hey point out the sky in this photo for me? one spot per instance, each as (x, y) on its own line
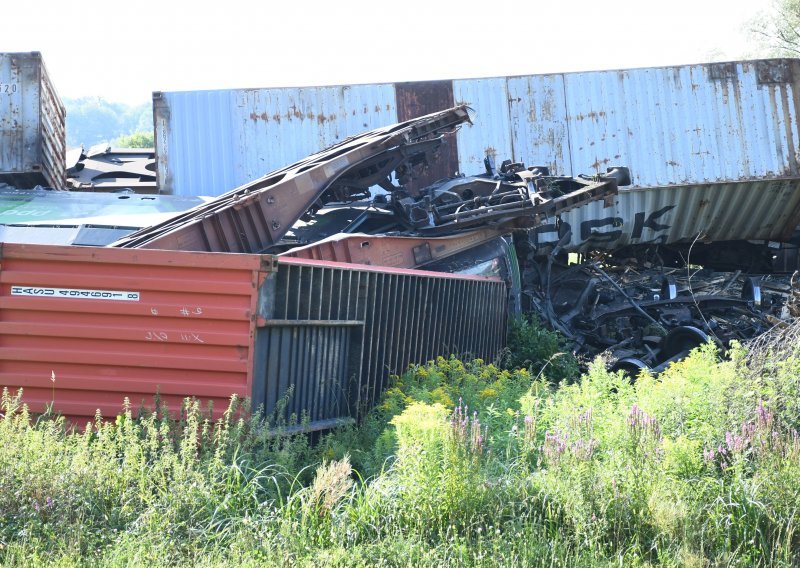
(125, 51)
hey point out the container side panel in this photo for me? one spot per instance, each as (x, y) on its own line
(53, 133)
(212, 141)
(686, 125)
(332, 349)
(112, 325)
(14, 116)
(757, 210)
(490, 133)
(538, 111)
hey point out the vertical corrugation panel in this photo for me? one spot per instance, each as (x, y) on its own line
(490, 133)
(114, 323)
(346, 340)
(690, 124)
(32, 134)
(52, 131)
(195, 138)
(686, 125)
(209, 142)
(417, 99)
(538, 122)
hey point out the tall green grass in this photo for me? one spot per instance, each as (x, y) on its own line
(462, 463)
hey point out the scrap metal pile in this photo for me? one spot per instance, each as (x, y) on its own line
(354, 202)
(256, 217)
(646, 316)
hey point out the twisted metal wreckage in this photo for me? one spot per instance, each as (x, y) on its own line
(356, 202)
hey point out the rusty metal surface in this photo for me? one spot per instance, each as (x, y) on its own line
(210, 141)
(333, 332)
(32, 118)
(537, 111)
(685, 125)
(113, 323)
(391, 250)
(416, 99)
(255, 216)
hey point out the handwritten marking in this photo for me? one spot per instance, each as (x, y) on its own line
(156, 336)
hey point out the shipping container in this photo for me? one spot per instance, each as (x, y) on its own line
(32, 124)
(324, 337)
(685, 125)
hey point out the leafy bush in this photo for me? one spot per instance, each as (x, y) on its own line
(531, 346)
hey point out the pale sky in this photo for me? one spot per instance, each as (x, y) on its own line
(123, 51)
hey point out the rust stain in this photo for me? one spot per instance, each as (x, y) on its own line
(673, 163)
(377, 108)
(599, 163)
(388, 107)
(703, 203)
(310, 115)
(321, 118)
(276, 117)
(366, 110)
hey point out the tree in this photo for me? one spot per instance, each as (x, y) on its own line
(140, 139)
(94, 120)
(779, 28)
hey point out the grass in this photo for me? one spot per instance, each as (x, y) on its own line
(462, 463)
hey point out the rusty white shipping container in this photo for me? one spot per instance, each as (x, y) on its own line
(692, 124)
(32, 133)
(112, 323)
(728, 130)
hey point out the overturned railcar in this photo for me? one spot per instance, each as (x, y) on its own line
(317, 340)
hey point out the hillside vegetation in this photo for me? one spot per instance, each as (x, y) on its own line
(462, 463)
(94, 120)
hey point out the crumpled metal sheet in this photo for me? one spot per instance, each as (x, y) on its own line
(256, 215)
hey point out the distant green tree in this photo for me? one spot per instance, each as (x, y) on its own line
(135, 140)
(778, 29)
(94, 120)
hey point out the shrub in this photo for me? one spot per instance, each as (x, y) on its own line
(533, 347)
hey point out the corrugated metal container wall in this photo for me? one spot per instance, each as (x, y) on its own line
(334, 332)
(112, 323)
(115, 323)
(687, 125)
(32, 133)
(684, 125)
(761, 210)
(490, 133)
(208, 142)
